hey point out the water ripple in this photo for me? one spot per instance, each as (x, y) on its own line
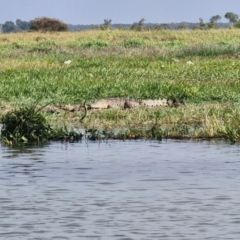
(120, 191)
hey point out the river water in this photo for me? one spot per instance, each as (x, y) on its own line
(120, 190)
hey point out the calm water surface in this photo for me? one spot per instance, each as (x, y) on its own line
(120, 191)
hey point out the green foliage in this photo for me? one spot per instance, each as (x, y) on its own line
(107, 24)
(232, 133)
(211, 25)
(8, 26)
(28, 125)
(25, 125)
(213, 21)
(181, 91)
(230, 128)
(232, 17)
(22, 25)
(138, 26)
(48, 24)
(202, 24)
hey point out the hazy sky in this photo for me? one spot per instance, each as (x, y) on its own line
(120, 11)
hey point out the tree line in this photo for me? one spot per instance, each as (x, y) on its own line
(38, 24)
(50, 24)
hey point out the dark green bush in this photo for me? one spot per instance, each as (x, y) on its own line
(28, 125)
(25, 125)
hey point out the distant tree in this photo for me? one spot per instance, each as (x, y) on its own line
(162, 26)
(119, 27)
(107, 24)
(156, 27)
(134, 26)
(138, 26)
(165, 25)
(141, 23)
(48, 24)
(95, 27)
(23, 25)
(182, 26)
(213, 21)
(8, 26)
(202, 24)
(232, 17)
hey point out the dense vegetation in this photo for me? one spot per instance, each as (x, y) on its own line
(201, 67)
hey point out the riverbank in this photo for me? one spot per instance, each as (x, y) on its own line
(199, 67)
(191, 121)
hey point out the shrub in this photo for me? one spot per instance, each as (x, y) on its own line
(28, 125)
(48, 24)
(24, 125)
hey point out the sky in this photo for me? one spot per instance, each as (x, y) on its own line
(119, 11)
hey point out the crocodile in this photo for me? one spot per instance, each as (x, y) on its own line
(108, 103)
(123, 103)
(117, 103)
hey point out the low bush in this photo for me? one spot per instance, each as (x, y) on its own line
(48, 24)
(28, 125)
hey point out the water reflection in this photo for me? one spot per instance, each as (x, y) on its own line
(120, 190)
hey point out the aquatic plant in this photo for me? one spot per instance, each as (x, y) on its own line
(27, 124)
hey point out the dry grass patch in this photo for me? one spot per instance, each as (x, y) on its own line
(116, 36)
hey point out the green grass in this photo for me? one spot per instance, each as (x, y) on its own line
(91, 78)
(141, 65)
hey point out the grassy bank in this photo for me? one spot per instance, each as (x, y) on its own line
(201, 67)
